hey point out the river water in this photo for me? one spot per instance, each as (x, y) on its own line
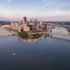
(44, 54)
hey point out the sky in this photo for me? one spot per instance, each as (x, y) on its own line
(41, 8)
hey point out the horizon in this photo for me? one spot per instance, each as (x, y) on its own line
(34, 8)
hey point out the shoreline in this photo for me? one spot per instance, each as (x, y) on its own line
(5, 32)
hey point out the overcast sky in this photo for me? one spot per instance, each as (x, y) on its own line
(34, 7)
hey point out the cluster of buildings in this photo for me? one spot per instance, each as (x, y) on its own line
(25, 25)
(31, 25)
(8, 25)
(34, 25)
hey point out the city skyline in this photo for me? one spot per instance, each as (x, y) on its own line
(34, 8)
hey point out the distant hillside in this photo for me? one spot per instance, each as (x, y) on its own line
(55, 18)
(6, 20)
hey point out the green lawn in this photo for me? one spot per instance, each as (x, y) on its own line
(31, 35)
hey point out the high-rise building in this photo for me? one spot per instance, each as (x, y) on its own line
(24, 25)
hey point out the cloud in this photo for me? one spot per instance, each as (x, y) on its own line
(31, 12)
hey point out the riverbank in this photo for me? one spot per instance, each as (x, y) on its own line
(31, 35)
(5, 32)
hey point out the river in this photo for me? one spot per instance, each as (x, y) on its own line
(45, 54)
